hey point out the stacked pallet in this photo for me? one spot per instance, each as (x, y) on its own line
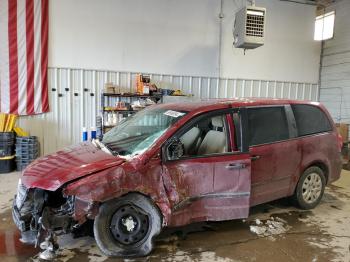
(27, 150)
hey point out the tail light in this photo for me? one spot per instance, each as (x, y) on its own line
(340, 142)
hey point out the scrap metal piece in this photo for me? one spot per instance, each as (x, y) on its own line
(47, 255)
(50, 247)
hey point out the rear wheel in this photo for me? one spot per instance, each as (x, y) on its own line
(310, 188)
(125, 227)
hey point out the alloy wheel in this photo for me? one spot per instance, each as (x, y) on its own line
(312, 187)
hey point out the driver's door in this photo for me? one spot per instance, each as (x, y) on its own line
(209, 174)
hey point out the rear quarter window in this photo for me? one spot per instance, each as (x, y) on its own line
(310, 120)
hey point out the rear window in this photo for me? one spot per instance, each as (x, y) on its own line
(267, 125)
(310, 120)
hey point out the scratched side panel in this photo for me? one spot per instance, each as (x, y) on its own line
(133, 176)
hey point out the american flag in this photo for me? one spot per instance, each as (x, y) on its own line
(24, 56)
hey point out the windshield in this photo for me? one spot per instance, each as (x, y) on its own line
(138, 132)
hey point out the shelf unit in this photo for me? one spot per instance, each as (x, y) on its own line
(106, 99)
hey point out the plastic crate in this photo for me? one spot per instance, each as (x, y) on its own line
(22, 164)
(26, 150)
(26, 139)
(26, 158)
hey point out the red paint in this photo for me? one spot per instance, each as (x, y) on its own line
(10, 245)
(44, 55)
(53, 171)
(210, 176)
(192, 189)
(340, 142)
(273, 172)
(232, 132)
(30, 55)
(13, 57)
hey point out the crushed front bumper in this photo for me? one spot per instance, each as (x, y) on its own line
(27, 236)
(36, 211)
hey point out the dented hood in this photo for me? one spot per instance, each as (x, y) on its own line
(52, 171)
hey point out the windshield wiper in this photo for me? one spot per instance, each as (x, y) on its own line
(104, 147)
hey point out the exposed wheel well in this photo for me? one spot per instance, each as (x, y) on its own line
(322, 166)
(146, 196)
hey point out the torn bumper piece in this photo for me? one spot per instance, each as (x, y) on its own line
(37, 213)
(27, 236)
(21, 225)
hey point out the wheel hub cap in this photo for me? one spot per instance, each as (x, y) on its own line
(129, 225)
(312, 187)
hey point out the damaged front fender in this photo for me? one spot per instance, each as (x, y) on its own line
(112, 183)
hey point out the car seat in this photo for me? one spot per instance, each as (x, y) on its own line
(215, 140)
(190, 140)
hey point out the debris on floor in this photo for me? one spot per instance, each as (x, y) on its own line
(322, 234)
(272, 226)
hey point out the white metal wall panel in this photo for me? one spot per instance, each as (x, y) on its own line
(75, 98)
(335, 72)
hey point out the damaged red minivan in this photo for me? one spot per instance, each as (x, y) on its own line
(174, 164)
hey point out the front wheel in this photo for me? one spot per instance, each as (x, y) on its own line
(125, 227)
(310, 188)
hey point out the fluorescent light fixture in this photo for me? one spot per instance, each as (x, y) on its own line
(324, 26)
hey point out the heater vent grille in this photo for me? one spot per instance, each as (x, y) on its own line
(249, 28)
(255, 25)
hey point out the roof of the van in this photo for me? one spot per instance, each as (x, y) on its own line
(233, 102)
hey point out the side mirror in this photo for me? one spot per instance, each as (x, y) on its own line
(175, 150)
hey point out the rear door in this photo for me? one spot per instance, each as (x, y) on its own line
(212, 180)
(275, 155)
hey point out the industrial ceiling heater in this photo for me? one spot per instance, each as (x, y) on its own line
(249, 28)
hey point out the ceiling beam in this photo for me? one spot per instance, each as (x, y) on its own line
(319, 3)
(305, 2)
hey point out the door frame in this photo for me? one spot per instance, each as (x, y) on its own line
(229, 133)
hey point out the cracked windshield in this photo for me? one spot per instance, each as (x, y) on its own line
(138, 132)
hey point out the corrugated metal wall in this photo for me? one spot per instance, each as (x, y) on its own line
(335, 72)
(75, 96)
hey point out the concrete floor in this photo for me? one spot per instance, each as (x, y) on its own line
(283, 233)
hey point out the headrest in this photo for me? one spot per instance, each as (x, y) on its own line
(216, 121)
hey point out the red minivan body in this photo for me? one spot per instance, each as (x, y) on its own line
(218, 186)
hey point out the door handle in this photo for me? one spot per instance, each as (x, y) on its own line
(253, 158)
(235, 166)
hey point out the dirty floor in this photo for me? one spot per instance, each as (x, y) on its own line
(274, 232)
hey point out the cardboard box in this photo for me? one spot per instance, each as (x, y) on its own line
(109, 88)
(343, 130)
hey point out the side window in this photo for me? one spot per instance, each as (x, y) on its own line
(267, 125)
(206, 136)
(310, 120)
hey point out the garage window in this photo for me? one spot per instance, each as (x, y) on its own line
(310, 120)
(267, 125)
(324, 26)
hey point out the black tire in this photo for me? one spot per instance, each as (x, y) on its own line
(306, 196)
(112, 233)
